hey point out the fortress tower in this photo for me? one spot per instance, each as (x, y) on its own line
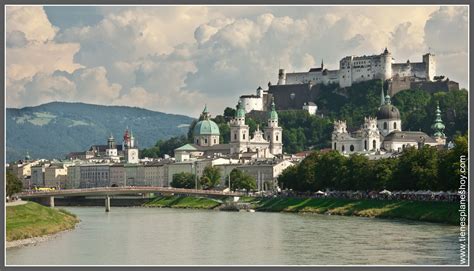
(430, 64)
(386, 63)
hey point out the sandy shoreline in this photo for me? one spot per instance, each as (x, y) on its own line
(34, 240)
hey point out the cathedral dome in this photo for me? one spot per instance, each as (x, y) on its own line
(388, 111)
(206, 127)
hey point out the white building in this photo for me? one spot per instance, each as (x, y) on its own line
(363, 68)
(384, 133)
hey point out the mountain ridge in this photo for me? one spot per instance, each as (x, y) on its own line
(53, 129)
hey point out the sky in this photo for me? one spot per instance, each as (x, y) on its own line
(176, 59)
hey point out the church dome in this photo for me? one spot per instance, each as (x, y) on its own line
(388, 111)
(206, 127)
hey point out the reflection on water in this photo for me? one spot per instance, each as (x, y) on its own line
(153, 236)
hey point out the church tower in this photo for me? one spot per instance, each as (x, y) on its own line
(438, 128)
(239, 131)
(273, 133)
(111, 150)
(371, 135)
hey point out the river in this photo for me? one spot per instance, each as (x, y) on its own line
(154, 236)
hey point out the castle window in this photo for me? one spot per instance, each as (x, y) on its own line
(352, 148)
(385, 126)
(394, 125)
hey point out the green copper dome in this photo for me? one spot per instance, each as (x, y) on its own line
(206, 127)
(240, 112)
(273, 113)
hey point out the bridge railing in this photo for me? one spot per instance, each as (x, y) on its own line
(125, 189)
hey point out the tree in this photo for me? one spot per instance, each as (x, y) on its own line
(288, 179)
(242, 180)
(210, 178)
(13, 184)
(183, 180)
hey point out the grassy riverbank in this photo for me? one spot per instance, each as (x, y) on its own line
(440, 212)
(33, 220)
(183, 202)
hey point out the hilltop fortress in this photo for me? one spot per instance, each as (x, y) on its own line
(354, 69)
(298, 90)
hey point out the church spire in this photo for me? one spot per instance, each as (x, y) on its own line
(273, 113)
(382, 96)
(438, 126)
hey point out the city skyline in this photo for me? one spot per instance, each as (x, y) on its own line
(135, 56)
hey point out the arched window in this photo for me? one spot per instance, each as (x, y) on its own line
(197, 141)
(385, 126)
(335, 146)
(214, 141)
(352, 148)
(277, 138)
(374, 144)
(342, 149)
(394, 125)
(243, 136)
(205, 140)
(365, 144)
(235, 136)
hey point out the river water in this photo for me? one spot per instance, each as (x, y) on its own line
(154, 236)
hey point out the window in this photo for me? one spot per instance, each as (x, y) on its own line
(335, 146)
(394, 125)
(374, 144)
(385, 126)
(352, 148)
(243, 136)
(342, 149)
(205, 141)
(235, 136)
(365, 144)
(277, 138)
(214, 141)
(197, 141)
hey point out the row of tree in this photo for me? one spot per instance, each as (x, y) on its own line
(427, 168)
(211, 178)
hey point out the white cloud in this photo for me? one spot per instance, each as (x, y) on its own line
(176, 59)
(30, 20)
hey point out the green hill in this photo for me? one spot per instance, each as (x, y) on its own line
(54, 129)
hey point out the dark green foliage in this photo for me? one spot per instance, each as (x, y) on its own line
(13, 184)
(415, 169)
(417, 109)
(77, 126)
(183, 180)
(210, 178)
(163, 147)
(241, 180)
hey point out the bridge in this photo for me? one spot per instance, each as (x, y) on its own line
(124, 190)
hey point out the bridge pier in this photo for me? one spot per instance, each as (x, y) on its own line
(51, 201)
(107, 203)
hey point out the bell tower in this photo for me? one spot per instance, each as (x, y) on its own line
(239, 131)
(273, 132)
